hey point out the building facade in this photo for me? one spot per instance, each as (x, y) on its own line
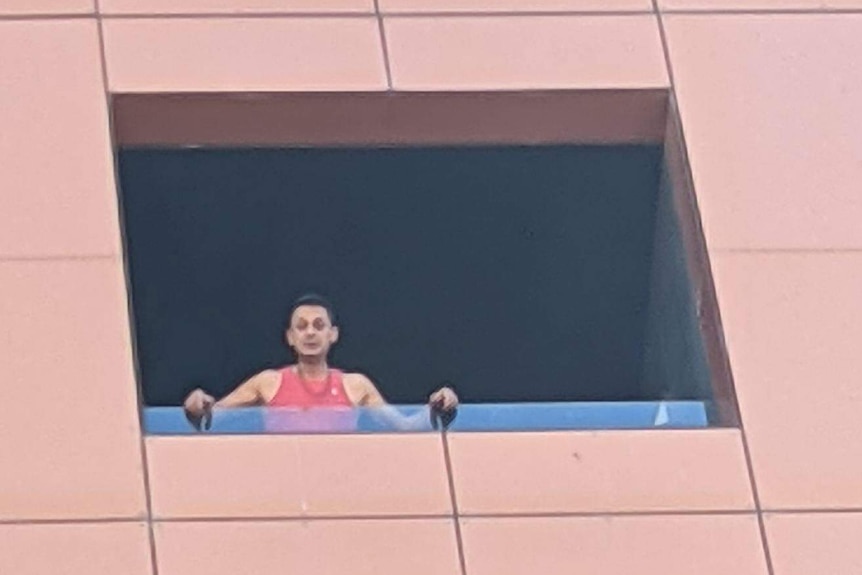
(769, 98)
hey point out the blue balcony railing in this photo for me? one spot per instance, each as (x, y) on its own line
(411, 418)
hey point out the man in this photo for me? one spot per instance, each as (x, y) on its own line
(310, 382)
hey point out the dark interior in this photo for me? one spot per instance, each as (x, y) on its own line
(516, 273)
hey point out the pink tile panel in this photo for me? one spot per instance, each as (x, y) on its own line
(239, 7)
(46, 7)
(759, 5)
(57, 194)
(244, 54)
(771, 108)
(532, 6)
(563, 52)
(366, 547)
(375, 474)
(600, 472)
(647, 545)
(218, 476)
(290, 476)
(75, 549)
(815, 543)
(69, 433)
(793, 323)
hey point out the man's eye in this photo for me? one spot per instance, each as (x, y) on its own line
(318, 325)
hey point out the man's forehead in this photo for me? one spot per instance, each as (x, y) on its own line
(309, 312)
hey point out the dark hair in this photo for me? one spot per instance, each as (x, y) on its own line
(312, 299)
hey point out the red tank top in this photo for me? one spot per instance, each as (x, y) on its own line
(298, 393)
(310, 406)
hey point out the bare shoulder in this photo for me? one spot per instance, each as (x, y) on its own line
(266, 383)
(258, 388)
(356, 380)
(266, 375)
(361, 390)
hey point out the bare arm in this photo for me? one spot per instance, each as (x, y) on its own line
(199, 404)
(250, 392)
(364, 393)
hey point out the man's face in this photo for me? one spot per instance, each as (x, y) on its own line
(310, 332)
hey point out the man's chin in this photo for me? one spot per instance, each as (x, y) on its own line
(311, 354)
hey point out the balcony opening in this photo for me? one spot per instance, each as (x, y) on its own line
(523, 262)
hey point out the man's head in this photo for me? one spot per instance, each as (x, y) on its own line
(311, 330)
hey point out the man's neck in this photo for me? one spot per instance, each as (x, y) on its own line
(312, 367)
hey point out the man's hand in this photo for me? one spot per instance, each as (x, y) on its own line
(199, 406)
(444, 399)
(444, 407)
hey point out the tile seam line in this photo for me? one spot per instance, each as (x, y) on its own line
(456, 519)
(766, 12)
(44, 17)
(356, 14)
(129, 319)
(490, 515)
(812, 510)
(240, 16)
(306, 518)
(516, 13)
(73, 521)
(743, 436)
(440, 516)
(436, 516)
(430, 14)
(600, 514)
(372, 14)
(384, 46)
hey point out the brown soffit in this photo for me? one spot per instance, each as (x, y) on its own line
(390, 119)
